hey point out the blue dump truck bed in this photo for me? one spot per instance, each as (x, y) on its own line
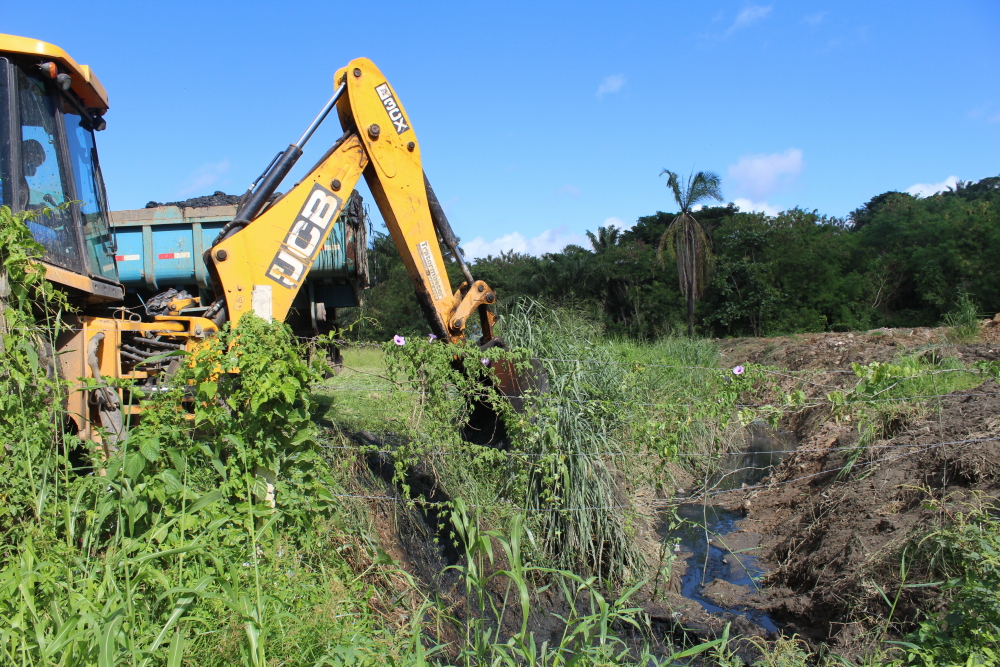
(160, 248)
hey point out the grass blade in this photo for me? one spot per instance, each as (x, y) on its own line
(176, 651)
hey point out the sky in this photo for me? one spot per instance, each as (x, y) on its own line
(539, 120)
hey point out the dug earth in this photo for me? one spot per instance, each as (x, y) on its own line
(829, 540)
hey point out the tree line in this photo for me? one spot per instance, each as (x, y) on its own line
(896, 261)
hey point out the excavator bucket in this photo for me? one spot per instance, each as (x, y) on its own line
(486, 425)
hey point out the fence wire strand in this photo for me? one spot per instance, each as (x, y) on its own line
(706, 493)
(673, 502)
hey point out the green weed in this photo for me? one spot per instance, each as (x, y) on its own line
(964, 559)
(963, 320)
(888, 395)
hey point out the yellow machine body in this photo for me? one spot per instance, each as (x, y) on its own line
(92, 349)
(290, 233)
(258, 266)
(85, 82)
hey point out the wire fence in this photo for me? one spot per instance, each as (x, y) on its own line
(372, 449)
(465, 450)
(796, 375)
(804, 404)
(789, 373)
(666, 503)
(639, 365)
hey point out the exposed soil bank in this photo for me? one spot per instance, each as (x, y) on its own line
(837, 351)
(828, 542)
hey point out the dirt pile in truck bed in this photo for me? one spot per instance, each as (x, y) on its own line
(218, 198)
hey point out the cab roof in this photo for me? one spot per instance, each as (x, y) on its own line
(85, 82)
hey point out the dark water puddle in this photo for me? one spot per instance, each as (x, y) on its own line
(716, 577)
(720, 572)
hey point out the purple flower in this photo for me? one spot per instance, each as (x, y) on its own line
(736, 371)
(486, 362)
(431, 338)
(398, 340)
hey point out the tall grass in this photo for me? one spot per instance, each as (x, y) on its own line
(591, 626)
(963, 320)
(582, 514)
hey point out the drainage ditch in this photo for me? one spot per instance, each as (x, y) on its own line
(720, 571)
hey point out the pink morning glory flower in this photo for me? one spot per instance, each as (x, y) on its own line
(736, 371)
(431, 338)
(398, 340)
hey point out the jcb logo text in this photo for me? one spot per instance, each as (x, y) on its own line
(302, 243)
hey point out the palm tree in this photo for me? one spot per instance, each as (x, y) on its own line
(685, 239)
(606, 238)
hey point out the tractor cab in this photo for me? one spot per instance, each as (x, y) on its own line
(50, 109)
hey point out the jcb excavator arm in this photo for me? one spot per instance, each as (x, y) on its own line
(261, 259)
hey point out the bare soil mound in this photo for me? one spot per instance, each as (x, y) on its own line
(832, 538)
(837, 351)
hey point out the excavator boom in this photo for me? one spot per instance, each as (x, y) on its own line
(260, 263)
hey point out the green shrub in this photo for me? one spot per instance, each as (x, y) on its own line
(966, 557)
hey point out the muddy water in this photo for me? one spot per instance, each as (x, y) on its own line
(720, 572)
(764, 450)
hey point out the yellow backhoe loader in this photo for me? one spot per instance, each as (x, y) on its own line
(50, 107)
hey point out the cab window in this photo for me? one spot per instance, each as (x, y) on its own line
(89, 195)
(45, 177)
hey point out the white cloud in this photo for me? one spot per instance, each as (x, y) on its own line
(985, 112)
(615, 222)
(746, 18)
(760, 176)
(747, 206)
(551, 240)
(611, 84)
(928, 189)
(814, 19)
(203, 178)
(569, 190)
